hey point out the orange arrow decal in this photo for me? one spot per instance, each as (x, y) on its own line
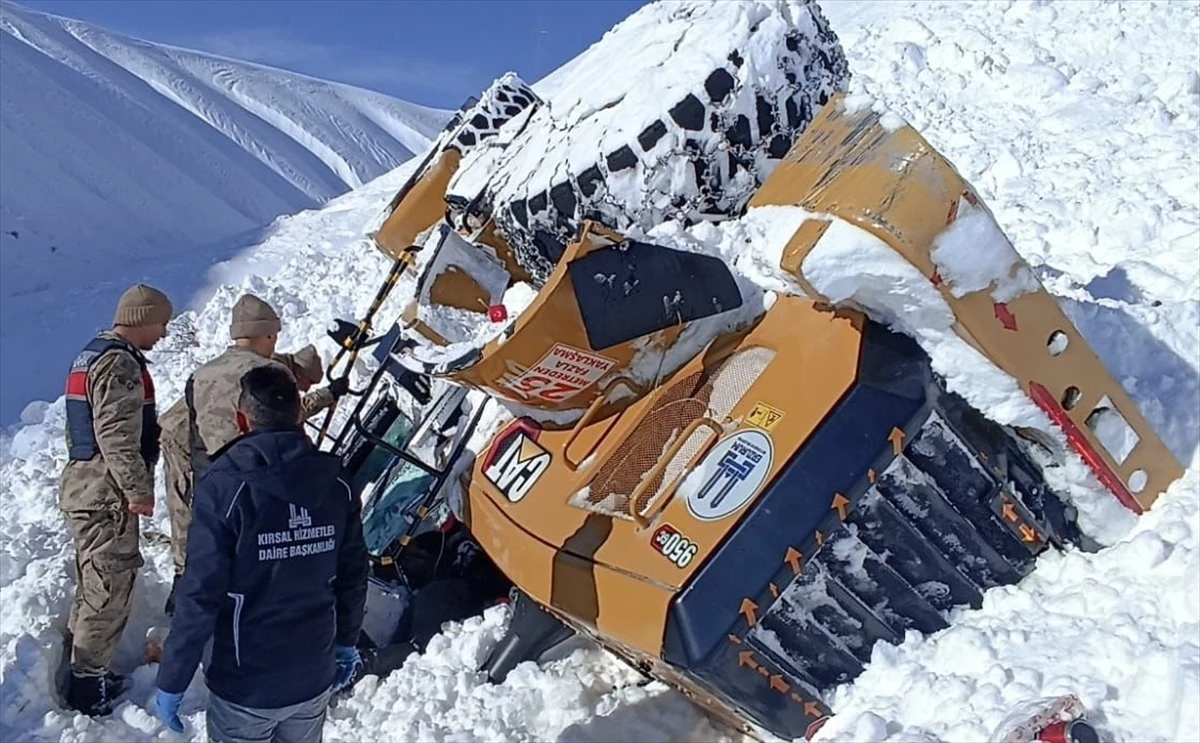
(746, 658)
(735, 639)
(779, 685)
(840, 502)
(820, 538)
(897, 439)
(749, 608)
(774, 589)
(797, 698)
(1009, 512)
(1027, 534)
(871, 476)
(793, 558)
(811, 708)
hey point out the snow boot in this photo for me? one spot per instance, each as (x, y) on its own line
(116, 684)
(94, 696)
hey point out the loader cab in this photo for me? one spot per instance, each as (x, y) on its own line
(397, 448)
(394, 485)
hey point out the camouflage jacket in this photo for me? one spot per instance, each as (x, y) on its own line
(314, 401)
(215, 390)
(174, 422)
(174, 425)
(118, 475)
(215, 387)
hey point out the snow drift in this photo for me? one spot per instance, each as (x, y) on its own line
(124, 159)
(1104, 204)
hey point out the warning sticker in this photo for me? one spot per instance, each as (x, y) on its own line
(764, 416)
(562, 373)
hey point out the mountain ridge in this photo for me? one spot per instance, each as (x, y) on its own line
(125, 160)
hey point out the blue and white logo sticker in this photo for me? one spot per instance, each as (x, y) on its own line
(730, 475)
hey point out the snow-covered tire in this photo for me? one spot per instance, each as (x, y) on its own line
(504, 100)
(704, 153)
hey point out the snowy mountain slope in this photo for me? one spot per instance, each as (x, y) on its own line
(1121, 628)
(116, 151)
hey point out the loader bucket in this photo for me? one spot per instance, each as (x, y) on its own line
(889, 181)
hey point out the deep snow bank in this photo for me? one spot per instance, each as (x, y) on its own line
(122, 160)
(1121, 628)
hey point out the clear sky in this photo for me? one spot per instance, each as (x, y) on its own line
(435, 53)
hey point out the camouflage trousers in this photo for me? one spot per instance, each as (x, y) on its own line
(178, 470)
(107, 558)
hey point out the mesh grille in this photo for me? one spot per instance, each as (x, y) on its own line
(713, 392)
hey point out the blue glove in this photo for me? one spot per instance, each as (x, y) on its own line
(348, 662)
(166, 706)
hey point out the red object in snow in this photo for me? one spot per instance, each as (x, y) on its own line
(497, 313)
(1072, 731)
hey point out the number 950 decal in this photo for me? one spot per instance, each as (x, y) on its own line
(674, 546)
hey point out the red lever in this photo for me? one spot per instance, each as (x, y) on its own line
(497, 313)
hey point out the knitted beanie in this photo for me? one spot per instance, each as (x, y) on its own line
(308, 362)
(253, 318)
(142, 305)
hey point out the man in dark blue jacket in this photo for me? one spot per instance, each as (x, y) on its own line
(276, 576)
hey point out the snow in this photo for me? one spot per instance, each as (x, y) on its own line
(972, 254)
(127, 160)
(1076, 123)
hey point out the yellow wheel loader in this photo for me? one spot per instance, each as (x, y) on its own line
(739, 492)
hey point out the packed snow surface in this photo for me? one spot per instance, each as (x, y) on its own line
(1077, 124)
(125, 160)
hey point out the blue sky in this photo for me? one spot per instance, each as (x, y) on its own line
(432, 53)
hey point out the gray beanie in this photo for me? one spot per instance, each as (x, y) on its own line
(253, 318)
(143, 305)
(308, 361)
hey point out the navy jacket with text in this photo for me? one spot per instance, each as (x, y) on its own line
(276, 574)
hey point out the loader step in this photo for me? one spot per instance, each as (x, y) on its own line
(904, 504)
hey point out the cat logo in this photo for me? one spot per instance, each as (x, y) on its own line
(516, 464)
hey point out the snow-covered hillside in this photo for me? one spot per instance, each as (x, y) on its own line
(122, 159)
(1078, 123)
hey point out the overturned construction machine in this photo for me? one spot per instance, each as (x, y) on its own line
(737, 491)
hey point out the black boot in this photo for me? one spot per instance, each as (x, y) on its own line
(115, 684)
(170, 606)
(94, 696)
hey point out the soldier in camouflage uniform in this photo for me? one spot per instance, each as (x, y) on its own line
(308, 370)
(214, 389)
(108, 481)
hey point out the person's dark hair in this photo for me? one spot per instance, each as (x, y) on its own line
(269, 398)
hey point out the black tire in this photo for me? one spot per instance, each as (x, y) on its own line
(730, 130)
